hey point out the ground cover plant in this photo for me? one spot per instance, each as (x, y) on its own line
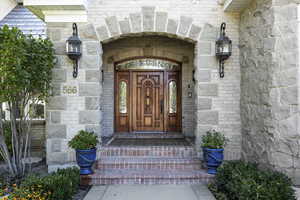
(238, 180)
(61, 185)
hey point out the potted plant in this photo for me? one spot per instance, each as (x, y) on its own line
(85, 145)
(213, 144)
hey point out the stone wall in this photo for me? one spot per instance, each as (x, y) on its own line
(217, 100)
(77, 103)
(269, 85)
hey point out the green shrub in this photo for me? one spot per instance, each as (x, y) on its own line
(238, 180)
(61, 185)
(219, 195)
(84, 140)
(213, 140)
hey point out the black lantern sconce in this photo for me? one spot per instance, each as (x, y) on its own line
(73, 49)
(193, 79)
(223, 49)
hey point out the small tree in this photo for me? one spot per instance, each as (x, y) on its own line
(25, 75)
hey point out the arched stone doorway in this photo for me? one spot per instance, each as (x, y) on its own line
(157, 114)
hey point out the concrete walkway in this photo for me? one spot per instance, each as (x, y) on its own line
(150, 192)
(297, 190)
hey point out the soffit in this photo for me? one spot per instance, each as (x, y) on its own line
(59, 10)
(236, 5)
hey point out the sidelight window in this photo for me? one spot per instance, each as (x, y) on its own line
(123, 97)
(172, 97)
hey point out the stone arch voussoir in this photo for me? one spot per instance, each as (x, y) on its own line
(152, 22)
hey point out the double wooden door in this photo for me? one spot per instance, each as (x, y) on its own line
(147, 101)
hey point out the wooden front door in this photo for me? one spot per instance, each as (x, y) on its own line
(147, 101)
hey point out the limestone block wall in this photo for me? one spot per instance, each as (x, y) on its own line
(217, 100)
(269, 85)
(79, 104)
(75, 104)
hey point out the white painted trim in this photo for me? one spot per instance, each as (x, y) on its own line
(57, 4)
(65, 16)
(298, 64)
(60, 10)
(227, 4)
(236, 5)
(5, 7)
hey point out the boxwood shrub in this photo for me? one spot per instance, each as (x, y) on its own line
(237, 180)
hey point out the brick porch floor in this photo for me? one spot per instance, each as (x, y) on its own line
(148, 161)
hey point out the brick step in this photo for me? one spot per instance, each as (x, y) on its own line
(125, 176)
(150, 135)
(148, 163)
(148, 151)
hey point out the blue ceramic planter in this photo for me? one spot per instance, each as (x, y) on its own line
(213, 159)
(85, 160)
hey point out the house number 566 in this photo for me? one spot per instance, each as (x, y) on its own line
(69, 89)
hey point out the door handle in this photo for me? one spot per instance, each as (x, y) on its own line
(161, 106)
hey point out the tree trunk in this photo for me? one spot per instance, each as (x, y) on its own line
(3, 147)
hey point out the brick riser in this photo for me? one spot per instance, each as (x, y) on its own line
(150, 136)
(144, 181)
(146, 177)
(151, 164)
(166, 151)
(147, 165)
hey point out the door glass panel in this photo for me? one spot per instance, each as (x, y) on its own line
(172, 97)
(123, 97)
(148, 63)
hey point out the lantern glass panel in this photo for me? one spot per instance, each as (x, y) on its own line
(67, 47)
(70, 48)
(219, 47)
(226, 48)
(74, 47)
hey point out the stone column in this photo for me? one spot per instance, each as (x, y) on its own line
(270, 86)
(75, 104)
(206, 89)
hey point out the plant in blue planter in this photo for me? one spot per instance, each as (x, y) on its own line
(213, 144)
(85, 144)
